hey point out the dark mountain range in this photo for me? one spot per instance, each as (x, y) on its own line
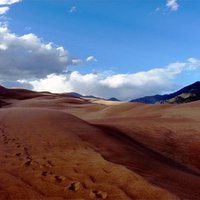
(192, 95)
(113, 99)
(184, 95)
(85, 96)
(91, 96)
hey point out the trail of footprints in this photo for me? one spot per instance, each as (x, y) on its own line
(23, 151)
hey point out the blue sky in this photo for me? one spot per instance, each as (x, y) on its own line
(126, 49)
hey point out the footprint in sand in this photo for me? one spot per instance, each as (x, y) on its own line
(59, 178)
(46, 173)
(26, 150)
(46, 166)
(76, 186)
(28, 163)
(98, 194)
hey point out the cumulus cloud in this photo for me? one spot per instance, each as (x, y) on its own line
(9, 2)
(27, 56)
(17, 84)
(73, 9)
(3, 10)
(172, 4)
(193, 60)
(90, 58)
(121, 86)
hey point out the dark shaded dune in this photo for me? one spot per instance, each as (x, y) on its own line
(19, 93)
(3, 103)
(130, 143)
(171, 130)
(22, 94)
(154, 167)
(176, 138)
(159, 142)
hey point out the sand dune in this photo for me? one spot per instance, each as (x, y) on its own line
(61, 147)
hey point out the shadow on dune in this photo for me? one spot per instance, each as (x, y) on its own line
(154, 167)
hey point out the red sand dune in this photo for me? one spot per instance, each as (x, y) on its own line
(61, 147)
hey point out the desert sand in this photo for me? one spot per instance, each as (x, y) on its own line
(60, 147)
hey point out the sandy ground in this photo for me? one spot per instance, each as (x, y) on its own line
(60, 147)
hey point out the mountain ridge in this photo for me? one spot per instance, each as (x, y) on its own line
(91, 96)
(184, 95)
(159, 98)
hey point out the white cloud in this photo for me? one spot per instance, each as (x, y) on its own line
(121, 86)
(157, 9)
(3, 10)
(90, 58)
(27, 29)
(18, 84)
(8, 2)
(172, 4)
(27, 56)
(73, 9)
(193, 60)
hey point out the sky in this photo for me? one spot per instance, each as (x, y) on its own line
(107, 48)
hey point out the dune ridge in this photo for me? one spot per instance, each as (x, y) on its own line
(61, 147)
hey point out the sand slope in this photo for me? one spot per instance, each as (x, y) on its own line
(61, 147)
(44, 156)
(163, 142)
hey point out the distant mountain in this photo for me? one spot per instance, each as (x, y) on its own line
(87, 96)
(184, 95)
(192, 95)
(75, 94)
(91, 96)
(113, 99)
